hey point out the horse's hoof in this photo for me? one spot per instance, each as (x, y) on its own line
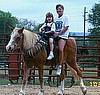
(21, 93)
(84, 92)
(41, 93)
(60, 92)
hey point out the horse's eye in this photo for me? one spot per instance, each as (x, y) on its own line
(17, 39)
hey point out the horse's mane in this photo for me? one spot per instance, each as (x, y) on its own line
(29, 42)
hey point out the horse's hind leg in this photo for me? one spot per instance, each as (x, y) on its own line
(24, 81)
(82, 86)
(62, 76)
(78, 73)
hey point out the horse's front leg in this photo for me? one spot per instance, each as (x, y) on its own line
(82, 86)
(40, 70)
(62, 76)
(24, 81)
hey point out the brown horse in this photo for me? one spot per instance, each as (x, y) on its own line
(35, 54)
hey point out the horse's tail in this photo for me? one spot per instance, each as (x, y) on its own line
(74, 73)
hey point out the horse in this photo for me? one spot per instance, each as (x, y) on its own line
(35, 54)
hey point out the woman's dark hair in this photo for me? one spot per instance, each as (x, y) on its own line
(49, 15)
(59, 5)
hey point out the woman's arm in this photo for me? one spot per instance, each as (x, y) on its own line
(64, 30)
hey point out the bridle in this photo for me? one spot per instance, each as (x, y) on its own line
(17, 41)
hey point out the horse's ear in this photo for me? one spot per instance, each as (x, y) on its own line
(11, 27)
(21, 30)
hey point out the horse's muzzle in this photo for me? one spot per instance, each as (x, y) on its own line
(10, 48)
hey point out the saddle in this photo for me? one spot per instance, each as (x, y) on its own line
(45, 39)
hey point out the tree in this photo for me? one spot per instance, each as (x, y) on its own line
(94, 20)
(27, 24)
(4, 18)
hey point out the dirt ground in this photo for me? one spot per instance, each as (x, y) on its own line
(34, 89)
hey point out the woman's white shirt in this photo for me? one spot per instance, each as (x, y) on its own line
(61, 23)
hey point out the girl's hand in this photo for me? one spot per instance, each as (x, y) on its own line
(42, 30)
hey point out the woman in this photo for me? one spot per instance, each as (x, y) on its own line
(62, 32)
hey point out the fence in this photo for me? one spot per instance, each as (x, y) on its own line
(88, 58)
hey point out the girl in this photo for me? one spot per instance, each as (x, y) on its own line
(49, 28)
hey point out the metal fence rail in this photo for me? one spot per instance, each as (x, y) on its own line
(11, 63)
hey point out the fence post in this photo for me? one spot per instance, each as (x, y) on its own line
(99, 60)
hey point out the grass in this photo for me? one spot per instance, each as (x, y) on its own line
(4, 81)
(54, 81)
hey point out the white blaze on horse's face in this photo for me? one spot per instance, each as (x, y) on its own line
(12, 43)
